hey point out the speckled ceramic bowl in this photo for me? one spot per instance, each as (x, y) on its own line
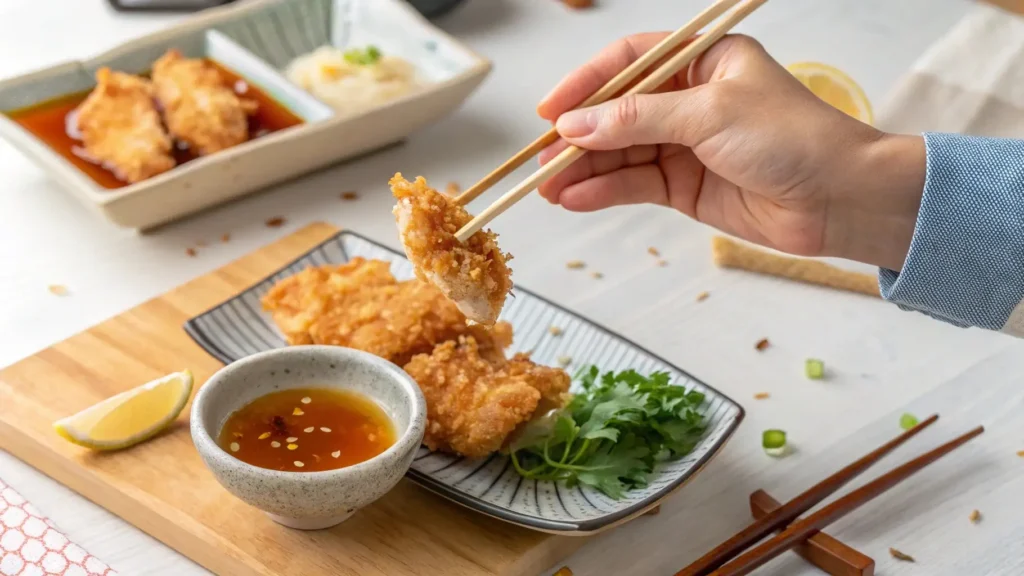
(309, 500)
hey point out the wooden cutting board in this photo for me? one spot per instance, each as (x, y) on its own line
(162, 487)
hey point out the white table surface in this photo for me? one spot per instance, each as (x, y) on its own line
(882, 360)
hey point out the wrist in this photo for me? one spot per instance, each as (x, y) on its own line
(872, 214)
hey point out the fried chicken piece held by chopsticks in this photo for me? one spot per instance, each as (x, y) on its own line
(475, 399)
(199, 109)
(474, 275)
(121, 127)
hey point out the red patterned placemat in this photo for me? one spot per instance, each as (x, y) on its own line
(31, 545)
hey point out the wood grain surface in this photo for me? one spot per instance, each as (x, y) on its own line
(162, 487)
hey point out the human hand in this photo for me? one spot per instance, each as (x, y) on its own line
(736, 142)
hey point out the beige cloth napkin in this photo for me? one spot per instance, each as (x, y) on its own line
(971, 81)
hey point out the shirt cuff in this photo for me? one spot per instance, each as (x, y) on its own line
(966, 260)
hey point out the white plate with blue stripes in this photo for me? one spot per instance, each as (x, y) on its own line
(239, 327)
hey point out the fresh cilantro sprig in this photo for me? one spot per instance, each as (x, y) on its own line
(611, 434)
(363, 56)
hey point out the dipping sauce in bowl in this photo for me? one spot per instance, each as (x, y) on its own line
(307, 430)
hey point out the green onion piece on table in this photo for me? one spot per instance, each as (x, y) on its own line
(815, 369)
(908, 421)
(774, 442)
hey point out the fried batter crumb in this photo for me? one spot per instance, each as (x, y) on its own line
(578, 4)
(596, 275)
(555, 331)
(452, 189)
(575, 264)
(57, 290)
(702, 296)
(900, 555)
(662, 263)
(191, 252)
(762, 396)
(349, 195)
(275, 222)
(653, 251)
(474, 275)
(762, 345)
(975, 517)
(225, 238)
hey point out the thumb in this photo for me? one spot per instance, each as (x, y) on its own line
(631, 120)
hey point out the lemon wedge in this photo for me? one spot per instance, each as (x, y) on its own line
(130, 417)
(835, 87)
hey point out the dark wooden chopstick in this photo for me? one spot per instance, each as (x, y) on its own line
(801, 529)
(794, 508)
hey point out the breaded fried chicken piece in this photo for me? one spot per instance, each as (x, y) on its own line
(121, 127)
(394, 322)
(474, 275)
(198, 108)
(475, 400)
(360, 305)
(298, 301)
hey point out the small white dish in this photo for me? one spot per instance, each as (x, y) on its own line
(309, 500)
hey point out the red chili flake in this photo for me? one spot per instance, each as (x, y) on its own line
(578, 3)
(349, 195)
(275, 222)
(762, 344)
(225, 238)
(191, 252)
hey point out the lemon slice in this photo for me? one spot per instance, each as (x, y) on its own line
(131, 416)
(835, 87)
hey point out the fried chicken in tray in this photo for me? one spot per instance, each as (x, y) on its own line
(200, 110)
(474, 275)
(476, 396)
(121, 127)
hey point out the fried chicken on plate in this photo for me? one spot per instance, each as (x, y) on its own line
(476, 399)
(474, 275)
(299, 301)
(121, 127)
(198, 108)
(360, 305)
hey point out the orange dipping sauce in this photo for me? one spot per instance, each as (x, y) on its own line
(50, 122)
(307, 430)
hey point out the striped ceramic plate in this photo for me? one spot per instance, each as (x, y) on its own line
(238, 328)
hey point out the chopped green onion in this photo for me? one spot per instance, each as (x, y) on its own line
(908, 421)
(365, 56)
(774, 442)
(815, 369)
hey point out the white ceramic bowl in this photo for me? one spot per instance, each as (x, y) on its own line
(309, 500)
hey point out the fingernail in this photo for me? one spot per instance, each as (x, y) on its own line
(577, 123)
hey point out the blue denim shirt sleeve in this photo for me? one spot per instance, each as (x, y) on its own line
(966, 260)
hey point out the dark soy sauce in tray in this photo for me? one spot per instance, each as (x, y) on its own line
(54, 123)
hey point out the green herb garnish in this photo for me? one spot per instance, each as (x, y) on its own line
(612, 433)
(363, 56)
(908, 421)
(815, 369)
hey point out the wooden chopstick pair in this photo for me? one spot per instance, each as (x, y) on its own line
(674, 65)
(732, 557)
